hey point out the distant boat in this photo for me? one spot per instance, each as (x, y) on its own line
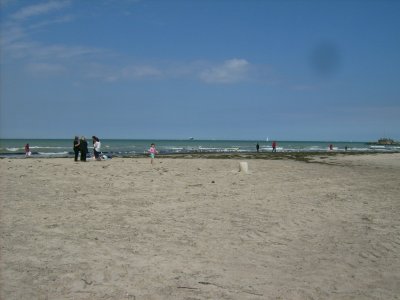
(384, 142)
(191, 138)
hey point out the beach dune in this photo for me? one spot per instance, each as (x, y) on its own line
(200, 229)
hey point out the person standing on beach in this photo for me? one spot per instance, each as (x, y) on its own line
(273, 146)
(27, 150)
(96, 147)
(76, 148)
(152, 152)
(83, 147)
(258, 147)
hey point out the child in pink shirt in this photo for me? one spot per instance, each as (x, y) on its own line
(152, 152)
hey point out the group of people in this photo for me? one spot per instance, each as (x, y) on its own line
(81, 147)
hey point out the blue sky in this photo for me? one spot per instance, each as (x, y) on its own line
(210, 69)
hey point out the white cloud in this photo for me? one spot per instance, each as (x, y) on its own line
(39, 9)
(46, 68)
(16, 41)
(10, 34)
(110, 73)
(140, 72)
(63, 52)
(36, 51)
(4, 3)
(63, 19)
(230, 71)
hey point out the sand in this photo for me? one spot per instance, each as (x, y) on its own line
(199, 229)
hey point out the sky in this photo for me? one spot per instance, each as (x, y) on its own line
(209, 69)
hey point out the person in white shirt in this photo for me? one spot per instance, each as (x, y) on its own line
(96, 147)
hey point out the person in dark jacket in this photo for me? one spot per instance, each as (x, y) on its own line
(76, 148)
(83, 147)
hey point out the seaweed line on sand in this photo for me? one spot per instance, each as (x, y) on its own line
(308, 157)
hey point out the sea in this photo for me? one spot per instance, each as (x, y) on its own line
(14, 148)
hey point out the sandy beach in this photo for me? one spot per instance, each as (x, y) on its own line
(199, 229)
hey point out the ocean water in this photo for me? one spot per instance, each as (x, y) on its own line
(124, 148)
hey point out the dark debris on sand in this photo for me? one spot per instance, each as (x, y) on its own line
(298, 156)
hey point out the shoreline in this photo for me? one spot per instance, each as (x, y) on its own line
(306, 156)
(137, 148)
